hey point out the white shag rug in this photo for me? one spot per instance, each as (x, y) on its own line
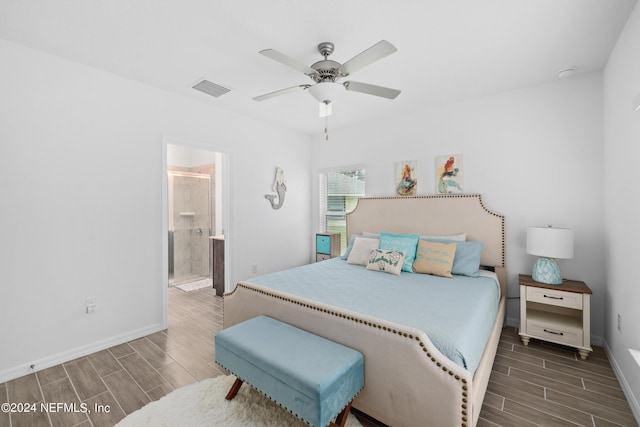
(204, 404)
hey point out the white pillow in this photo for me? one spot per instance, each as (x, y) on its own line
(361, 251)
(460, 237)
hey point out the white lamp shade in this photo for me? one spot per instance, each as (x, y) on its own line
(326, 91)
(550, 242)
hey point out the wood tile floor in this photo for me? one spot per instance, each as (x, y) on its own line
(547, 384)
(126, 377)
(535, 385)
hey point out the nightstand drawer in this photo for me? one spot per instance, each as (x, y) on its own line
(322, 257)
(323, 244)
(554, 297)
(555, 328)
(561, 336)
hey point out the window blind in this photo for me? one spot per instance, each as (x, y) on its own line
(339, 191)
(322, 192)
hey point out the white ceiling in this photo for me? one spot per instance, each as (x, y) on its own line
(448, 50)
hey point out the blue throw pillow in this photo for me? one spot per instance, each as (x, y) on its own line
(405, 243)
(467, 259)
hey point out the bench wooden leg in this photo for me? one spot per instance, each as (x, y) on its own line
(234, 389)
(341, 419)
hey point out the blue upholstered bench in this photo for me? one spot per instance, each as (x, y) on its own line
(312, 377)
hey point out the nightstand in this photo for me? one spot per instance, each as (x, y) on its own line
(327, 246)
(556, 313)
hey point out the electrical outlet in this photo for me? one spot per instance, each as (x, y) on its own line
(619, 322)
(254, 268)
(91, 304)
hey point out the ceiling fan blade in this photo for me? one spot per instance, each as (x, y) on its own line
(280, 92)
(369, 56)
(384, 92)
(288, 61)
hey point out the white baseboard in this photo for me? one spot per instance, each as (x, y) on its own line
(633, 402)
(66, 356)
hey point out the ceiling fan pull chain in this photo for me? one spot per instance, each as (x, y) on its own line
(326, 128)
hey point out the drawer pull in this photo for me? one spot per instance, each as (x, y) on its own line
(552, 332)
(552, 297)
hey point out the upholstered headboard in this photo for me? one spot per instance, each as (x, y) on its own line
(435, 215)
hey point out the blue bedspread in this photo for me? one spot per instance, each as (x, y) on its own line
(456, 313)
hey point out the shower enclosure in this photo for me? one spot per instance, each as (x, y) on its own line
(189, 198)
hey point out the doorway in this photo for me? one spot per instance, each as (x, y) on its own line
(195, 215)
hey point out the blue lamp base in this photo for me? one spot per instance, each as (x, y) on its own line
(546, 270)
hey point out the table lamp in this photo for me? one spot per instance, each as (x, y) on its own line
(549, 243)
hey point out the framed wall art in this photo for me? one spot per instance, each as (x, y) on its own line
(406, 181)
(449, 174)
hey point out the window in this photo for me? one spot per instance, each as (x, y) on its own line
(339, 193)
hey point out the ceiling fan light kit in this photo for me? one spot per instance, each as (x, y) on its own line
(326, 73)
(326, 92)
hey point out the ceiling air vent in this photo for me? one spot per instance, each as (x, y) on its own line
(211, 88)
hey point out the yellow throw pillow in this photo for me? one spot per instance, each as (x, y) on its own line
(434, 258)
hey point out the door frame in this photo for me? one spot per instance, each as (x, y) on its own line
(225, 223)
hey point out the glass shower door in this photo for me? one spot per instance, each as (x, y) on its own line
(189, 227)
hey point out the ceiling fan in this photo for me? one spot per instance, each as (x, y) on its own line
(326, 73)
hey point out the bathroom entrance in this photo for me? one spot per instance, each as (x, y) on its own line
(189, 226)
(193, 215)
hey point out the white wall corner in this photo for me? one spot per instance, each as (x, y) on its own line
(626, 389)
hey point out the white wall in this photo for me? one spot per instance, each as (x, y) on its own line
(81, 207)
(535, 154)
(622, 205)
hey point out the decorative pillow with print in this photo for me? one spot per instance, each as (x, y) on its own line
(405, 243)
(435, 258)
(467, 259)
(387, 261)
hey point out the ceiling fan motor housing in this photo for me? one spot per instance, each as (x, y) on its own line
(326, 71)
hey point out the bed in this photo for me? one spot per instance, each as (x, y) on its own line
(408, 379)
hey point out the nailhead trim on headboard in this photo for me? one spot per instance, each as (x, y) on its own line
(453, 196)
